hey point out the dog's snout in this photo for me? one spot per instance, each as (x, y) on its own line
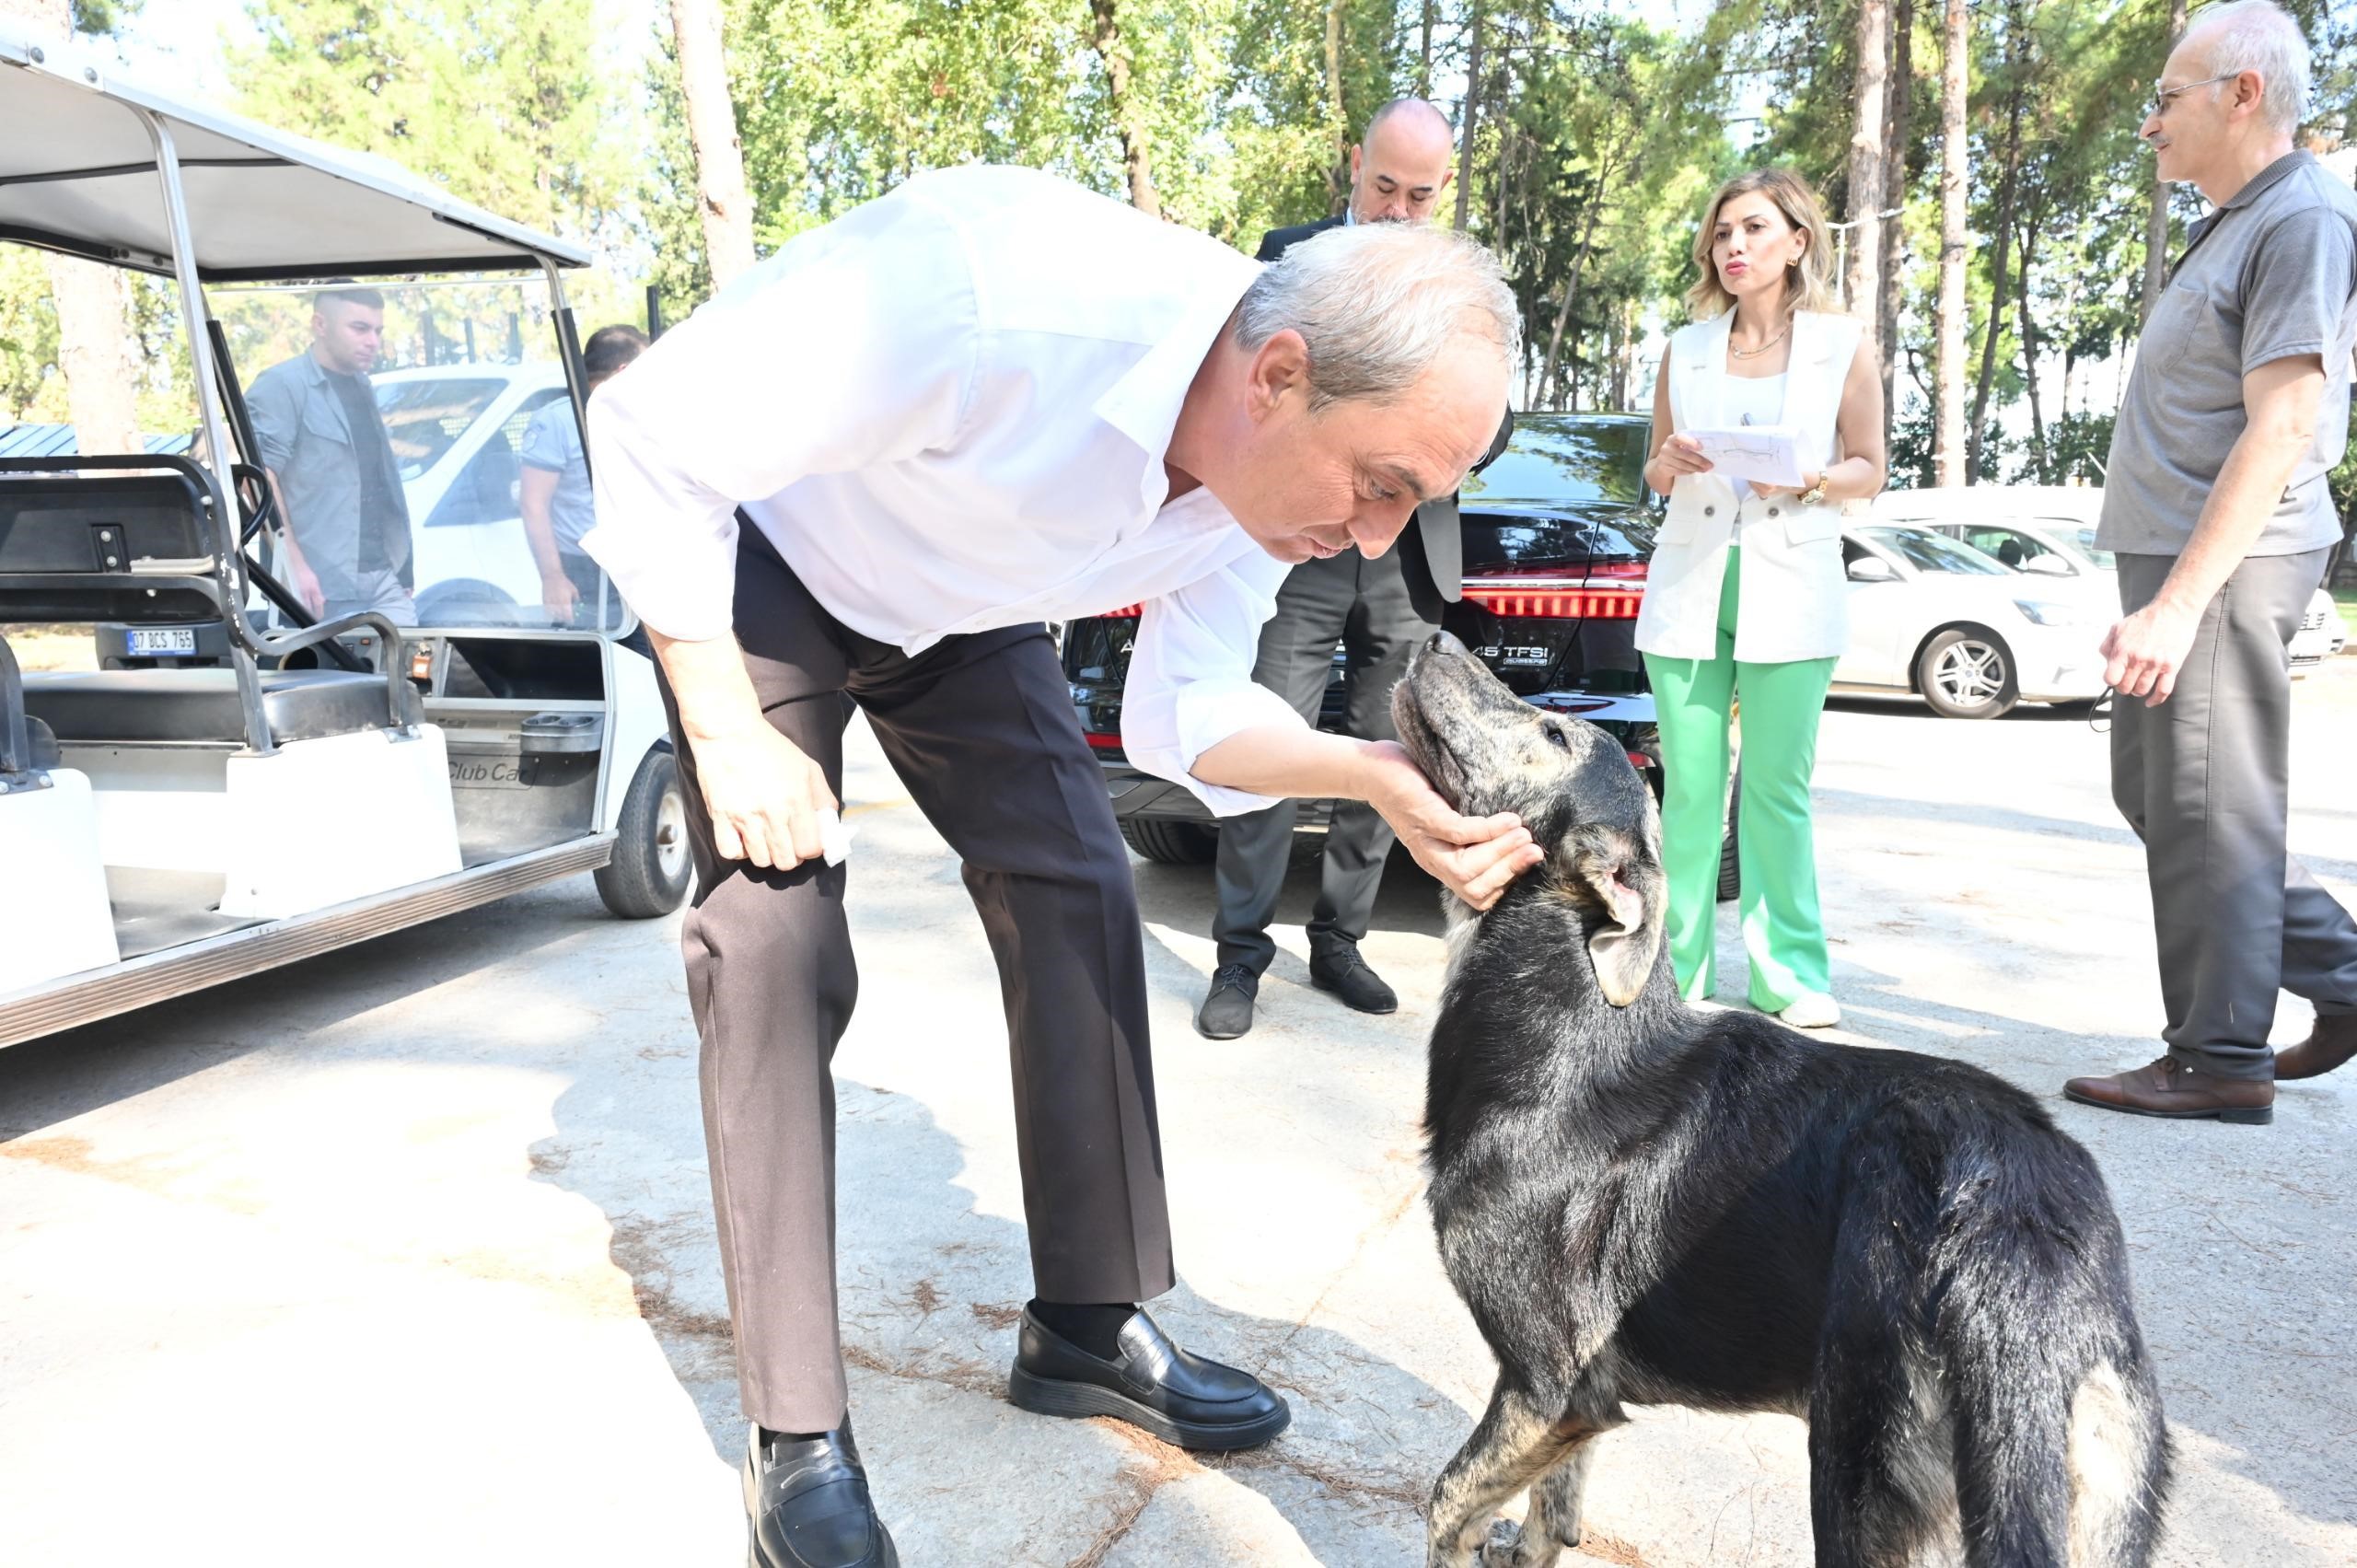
(1444, 643)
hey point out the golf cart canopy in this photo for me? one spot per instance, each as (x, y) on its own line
(79, 174)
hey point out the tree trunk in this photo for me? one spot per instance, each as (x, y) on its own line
(2008, 188)
(1469, 114)
(2157, 227)
(2029, 346)
(1900, 83)
(1572, 281)
(1862, 288)
(1137, 157)
(1338, 174)
(1424, 59)
(722, 201)
(96, 352)
(1947, 428)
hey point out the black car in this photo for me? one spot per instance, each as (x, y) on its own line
(1558, 533)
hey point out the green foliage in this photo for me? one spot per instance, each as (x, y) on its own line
(103, 18)
(1598, 138)
(503, 100)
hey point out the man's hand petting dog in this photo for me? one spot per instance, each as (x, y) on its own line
(1474, 857)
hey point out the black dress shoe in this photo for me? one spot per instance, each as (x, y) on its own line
(1179, 1397)
(1227, 1010)
(807, 1506)
(1343, 972)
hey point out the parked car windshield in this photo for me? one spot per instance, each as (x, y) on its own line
(2085, 539)
(1928, 552)
(1555, 458)
(425, 418)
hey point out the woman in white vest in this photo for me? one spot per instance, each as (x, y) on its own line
(1746, 597)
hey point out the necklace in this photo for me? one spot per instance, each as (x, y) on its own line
(1763, 348)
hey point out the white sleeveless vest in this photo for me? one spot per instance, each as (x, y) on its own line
(1795, 601)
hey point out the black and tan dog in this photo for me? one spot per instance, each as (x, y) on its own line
(1646, 1203)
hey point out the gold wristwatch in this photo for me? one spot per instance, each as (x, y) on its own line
(1815, 494)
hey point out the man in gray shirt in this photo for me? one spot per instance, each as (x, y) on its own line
(555, 497)
(345, 520)
(2215, 500)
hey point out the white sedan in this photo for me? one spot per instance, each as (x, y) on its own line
(2051, 529)
(456, 431)
(1970, 634)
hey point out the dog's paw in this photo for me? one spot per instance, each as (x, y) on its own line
(1511, 1546)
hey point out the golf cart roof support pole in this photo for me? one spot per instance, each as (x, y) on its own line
(226, 553)
(577, 382)
(568, 343)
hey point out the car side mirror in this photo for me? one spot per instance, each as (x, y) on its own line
(2048, 565)
(1872, 569)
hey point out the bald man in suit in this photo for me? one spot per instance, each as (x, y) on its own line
(1377, 609)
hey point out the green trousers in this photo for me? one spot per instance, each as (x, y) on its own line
(1783, 934)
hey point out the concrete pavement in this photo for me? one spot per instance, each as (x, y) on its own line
(404, 1254)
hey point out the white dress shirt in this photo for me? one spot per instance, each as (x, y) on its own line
(948, 410)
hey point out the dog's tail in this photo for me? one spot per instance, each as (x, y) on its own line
(2062, 1451)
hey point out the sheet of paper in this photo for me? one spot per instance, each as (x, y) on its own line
(834, 838)
(1769, 454)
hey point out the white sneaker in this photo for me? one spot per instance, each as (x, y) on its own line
(1812, 1010)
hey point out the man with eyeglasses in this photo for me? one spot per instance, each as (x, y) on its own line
(2215, 500)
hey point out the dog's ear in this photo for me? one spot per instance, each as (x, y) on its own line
(1625, 946)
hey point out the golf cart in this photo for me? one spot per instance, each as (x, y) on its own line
(230, 783)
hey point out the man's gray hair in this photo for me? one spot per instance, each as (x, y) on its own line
(2259, 35)
(1377, 303)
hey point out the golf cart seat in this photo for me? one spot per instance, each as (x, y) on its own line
(211, 793)
(136, 547)
(183, 706)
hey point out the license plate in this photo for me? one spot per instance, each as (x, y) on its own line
(152, 641)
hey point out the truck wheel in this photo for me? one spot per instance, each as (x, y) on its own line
(1966, 673)
(651, 869)
(1170, 843)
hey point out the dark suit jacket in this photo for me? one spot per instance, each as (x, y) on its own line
(1432, 554)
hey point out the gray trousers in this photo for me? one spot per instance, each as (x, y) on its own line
(1363, 605)
(2204, 780)
(373, 590)
(981, 731)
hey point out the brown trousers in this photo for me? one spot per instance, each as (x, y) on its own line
(981, 731)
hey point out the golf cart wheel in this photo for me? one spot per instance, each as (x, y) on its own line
(1730, 866)
(651, 869)
(1170, 843)
(1966, 673)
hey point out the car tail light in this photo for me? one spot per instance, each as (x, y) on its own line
(1589, 602)
(1128, 610)
(1103, 742)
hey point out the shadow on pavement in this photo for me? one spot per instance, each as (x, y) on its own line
(931, 1290)
(60, 1076)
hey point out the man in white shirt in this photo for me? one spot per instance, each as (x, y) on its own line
(987, 400)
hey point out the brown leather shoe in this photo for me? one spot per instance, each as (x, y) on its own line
(2330, 1043)
(2167, 1087)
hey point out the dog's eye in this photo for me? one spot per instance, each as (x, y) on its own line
(1555, 737)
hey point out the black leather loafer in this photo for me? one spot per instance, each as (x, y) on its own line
(1181, 1399)
(1343, 972)
(1227, 1010)
(807, 1506)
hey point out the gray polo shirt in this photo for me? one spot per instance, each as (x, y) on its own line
(552, 443)
(2270, 275)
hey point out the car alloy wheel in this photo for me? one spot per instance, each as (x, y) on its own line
(1966, 675)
